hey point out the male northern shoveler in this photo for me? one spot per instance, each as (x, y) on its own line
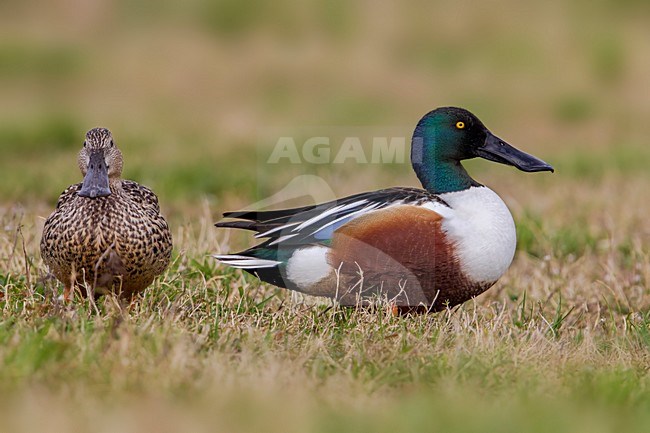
(432, 247)
(106, 232)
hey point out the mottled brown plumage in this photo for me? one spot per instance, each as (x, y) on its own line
(106, 234)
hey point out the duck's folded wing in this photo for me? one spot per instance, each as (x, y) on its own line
(317, 224)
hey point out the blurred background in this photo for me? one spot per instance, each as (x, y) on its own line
(196, 92)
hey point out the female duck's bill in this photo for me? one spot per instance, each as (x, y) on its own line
(95, 183)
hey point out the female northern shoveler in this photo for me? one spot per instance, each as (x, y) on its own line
(430, 248)
(106, 233)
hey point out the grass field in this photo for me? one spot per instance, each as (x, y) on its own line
(197, 96)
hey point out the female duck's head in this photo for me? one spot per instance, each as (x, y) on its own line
(448, 135)
(100, 162)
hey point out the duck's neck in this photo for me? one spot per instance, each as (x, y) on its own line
(444, 177)
(438, 175)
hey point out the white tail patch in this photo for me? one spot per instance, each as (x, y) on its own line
(308, 266)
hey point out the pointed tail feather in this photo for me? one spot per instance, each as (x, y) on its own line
(244, 225)
(265, 269)
(267, 215)
(246, 262)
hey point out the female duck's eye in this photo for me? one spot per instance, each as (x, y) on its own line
(460, 125)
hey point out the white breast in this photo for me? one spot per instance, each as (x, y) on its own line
(483, 232)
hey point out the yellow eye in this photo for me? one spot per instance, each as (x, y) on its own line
(460, 125)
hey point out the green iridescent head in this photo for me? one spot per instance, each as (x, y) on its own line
(448, 135)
